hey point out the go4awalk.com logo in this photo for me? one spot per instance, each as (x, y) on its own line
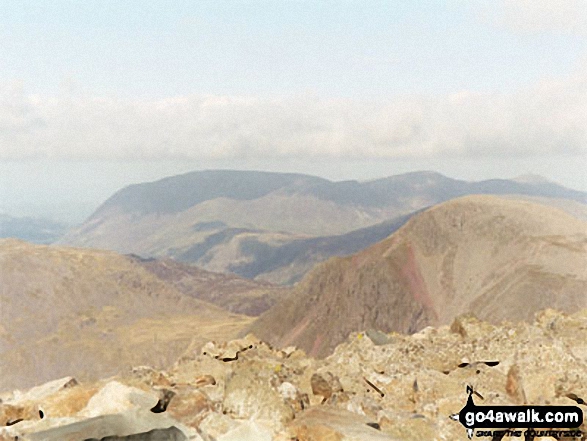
(532, 418)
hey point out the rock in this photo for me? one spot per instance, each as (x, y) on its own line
(151, 376)
(264, 394)
(215, 425)
(70, 401)
(325, 385)
(189, 406)
(37, 401)
(471, 327)
(317, 432)
(249, 396)
(408, 429)
(203, 372)
(248, 431)
(169, 434)
(114, 426)
(165, 397)
(38, 393)
(288, 351)
(327, 423)
(11, 414)
(513, 385)
(288, 391)
(363, 405)
(377, 337)
(229, 351)
(205, 380)
(284, 436)
(293, 397)
(115, 398)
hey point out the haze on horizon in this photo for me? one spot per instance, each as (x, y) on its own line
(97, 95)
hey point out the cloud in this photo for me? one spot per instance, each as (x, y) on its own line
(547, 119)
(533, 16)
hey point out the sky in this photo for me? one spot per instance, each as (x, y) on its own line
(96, 95)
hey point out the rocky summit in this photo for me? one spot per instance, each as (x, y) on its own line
(374, 386)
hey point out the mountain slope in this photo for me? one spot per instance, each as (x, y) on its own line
(92, 313)
(232, 293)
(501, 259)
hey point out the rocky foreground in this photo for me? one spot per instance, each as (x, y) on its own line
(374, 387)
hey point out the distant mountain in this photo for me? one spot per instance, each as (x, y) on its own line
(89, 313)
(498, 258)
(259, 224)
(41, 231)
(282, 259)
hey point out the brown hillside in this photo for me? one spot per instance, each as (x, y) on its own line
(230, 292)
(92, 313)
(500, 259)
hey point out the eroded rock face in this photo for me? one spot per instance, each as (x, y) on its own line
(395, 388)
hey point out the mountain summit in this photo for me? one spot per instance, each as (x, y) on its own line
(498, 258)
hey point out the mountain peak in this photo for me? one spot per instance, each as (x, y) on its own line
(472, 254)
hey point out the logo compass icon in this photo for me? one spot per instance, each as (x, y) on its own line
(470, 406)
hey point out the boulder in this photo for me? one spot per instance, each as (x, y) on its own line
(327, 423)
(215, 425)
(248, 431)
(116, 398)
(110, 427)
(250, 396)
(190, 406)
(325, 385)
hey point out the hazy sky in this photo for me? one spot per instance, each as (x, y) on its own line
(98, 94)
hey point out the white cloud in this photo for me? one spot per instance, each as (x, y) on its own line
(531, 16)
(549, 118)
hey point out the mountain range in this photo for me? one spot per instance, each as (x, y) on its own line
(404, 260)
(275, 226)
